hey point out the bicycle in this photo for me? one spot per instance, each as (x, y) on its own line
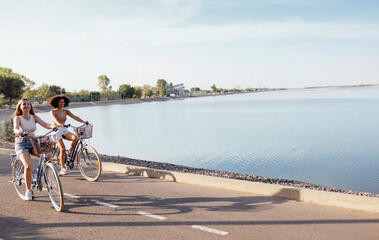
(41, 145)
(88, 159)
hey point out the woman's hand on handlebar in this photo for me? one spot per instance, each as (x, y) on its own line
(20, 133)
(55, 127)
(17, 132)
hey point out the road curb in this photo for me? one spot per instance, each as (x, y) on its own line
(341, 200)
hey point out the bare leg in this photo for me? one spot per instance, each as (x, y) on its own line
(28, 168)
(62, 152)
(73, 138)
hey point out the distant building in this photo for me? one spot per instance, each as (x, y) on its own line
(175, 91)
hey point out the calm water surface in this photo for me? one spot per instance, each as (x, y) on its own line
(328, 137)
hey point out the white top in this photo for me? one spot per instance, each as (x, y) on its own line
(28, 125)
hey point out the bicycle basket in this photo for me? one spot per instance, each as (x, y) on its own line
(44, 144)
(84, 132)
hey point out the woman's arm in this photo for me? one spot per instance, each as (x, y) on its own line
(75, 117)
(17, 130)
(43, 123)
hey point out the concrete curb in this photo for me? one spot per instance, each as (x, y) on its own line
(354, 202)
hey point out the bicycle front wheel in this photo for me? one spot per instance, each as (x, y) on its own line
(54, 187)
(89, 163)
(18, 177)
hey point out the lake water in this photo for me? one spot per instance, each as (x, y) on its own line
(323, 136)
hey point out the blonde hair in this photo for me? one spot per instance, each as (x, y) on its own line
(18, 111)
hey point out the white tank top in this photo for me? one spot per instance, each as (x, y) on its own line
(28, 125)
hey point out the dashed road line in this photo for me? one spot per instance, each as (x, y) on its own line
(71, 195)
(107, 204)
(152, 215)
(211, 230)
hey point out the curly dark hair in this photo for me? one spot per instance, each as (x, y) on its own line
(53, 101)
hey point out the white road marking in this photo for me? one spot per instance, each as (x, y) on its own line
(152, 215)
(211, 230)
(71, 195)
(107, 204)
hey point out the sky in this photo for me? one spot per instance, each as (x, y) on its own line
(229, 43)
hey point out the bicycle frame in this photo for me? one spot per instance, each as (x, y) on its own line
(40, 171)
(78, 145)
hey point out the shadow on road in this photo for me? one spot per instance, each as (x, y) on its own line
(127, 205)
(19, 228)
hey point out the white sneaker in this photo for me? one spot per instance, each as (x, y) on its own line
(63, 171)
(28, 195)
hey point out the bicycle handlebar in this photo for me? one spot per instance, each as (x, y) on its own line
(69, 125)
(25, 134)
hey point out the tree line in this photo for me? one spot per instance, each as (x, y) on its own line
(14, 86)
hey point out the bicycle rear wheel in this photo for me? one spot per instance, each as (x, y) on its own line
(54, 187)
(89, 163)
(18, 177)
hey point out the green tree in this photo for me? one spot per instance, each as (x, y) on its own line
(155, 91)
(126, 91)
(195, 89)
(146, 91)
(104, 82)
(25, 88)
(11, 84)
(161, 86)
(137, 92)
(95, 96)
(29, 84)
(30, 94)
(56, 90)
(214, 88)
(44, 92)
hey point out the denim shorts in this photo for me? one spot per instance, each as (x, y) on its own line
(22, 145)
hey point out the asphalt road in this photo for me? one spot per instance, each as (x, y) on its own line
(119, 206)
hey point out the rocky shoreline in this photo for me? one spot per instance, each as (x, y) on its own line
(223, 174)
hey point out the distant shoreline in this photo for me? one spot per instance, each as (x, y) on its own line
(8, 112)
